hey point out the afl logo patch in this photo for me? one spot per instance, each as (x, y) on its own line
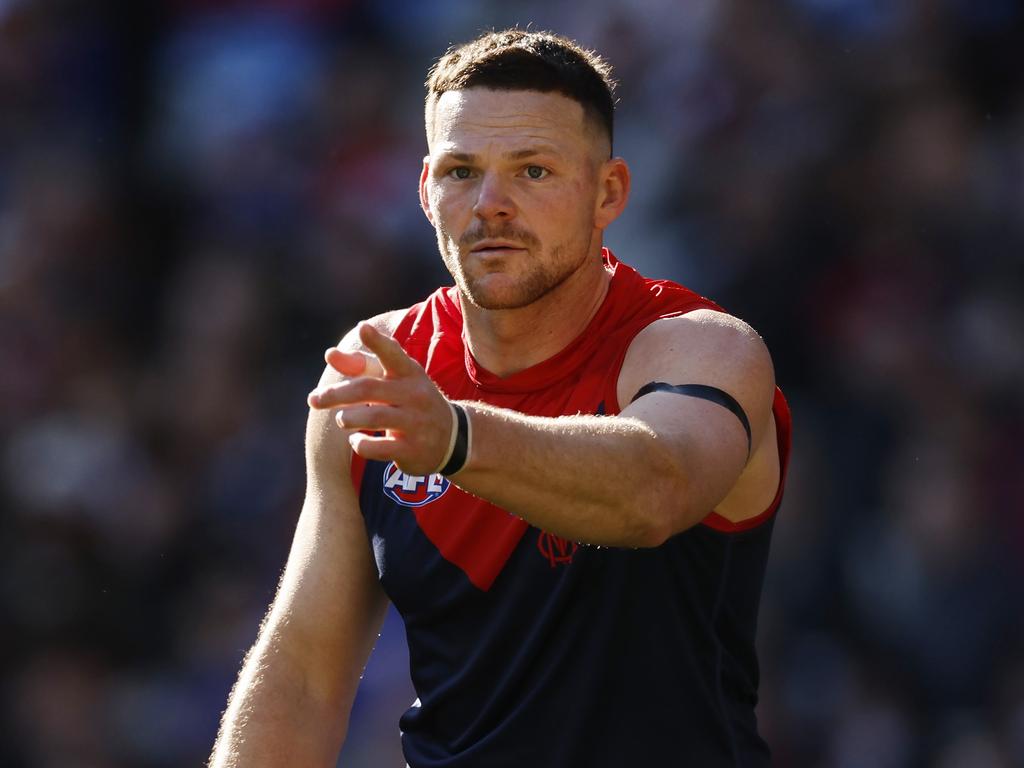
(411, 490)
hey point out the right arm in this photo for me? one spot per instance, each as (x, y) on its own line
(291, 703)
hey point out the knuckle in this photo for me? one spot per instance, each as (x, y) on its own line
(416, 397)
(356, 417)
(424, 393)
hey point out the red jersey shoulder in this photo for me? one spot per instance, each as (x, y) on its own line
(657, 297)
(432, 328)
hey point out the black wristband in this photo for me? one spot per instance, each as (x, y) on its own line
(461, 450)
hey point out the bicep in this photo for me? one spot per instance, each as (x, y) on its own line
(703, 432)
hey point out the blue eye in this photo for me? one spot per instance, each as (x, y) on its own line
(461, 172)
(536, 171)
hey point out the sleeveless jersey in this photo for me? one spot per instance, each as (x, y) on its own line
(529, 650)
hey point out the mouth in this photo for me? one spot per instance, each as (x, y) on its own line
(495, 247)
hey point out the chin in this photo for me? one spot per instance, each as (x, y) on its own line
(503, 292)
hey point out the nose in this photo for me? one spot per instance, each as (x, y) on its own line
(493, 200)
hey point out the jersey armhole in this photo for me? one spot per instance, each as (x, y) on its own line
(783, 437)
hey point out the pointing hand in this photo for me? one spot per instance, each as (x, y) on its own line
(387, 392)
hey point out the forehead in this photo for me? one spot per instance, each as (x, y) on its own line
(484, 115)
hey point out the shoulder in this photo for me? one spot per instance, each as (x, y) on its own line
(386, 322)
(703, 346)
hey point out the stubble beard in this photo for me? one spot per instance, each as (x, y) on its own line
(541, 276)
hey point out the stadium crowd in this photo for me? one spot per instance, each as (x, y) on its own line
(198, 197)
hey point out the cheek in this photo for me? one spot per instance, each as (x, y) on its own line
(445, 220)
(575, 209)
(442, 204)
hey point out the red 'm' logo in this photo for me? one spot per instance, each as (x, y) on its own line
(556, 550)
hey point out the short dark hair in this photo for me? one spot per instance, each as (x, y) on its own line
(515, 59)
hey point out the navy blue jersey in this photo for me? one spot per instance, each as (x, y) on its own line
(530, 650)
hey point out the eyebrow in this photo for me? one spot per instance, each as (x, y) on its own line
(519, 154)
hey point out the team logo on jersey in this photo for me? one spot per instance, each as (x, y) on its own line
(413, 490)
(556, 550)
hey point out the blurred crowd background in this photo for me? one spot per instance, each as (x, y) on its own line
(197, 197)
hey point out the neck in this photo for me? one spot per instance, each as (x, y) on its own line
(506, 341)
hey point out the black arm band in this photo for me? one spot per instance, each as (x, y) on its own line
(704, 392)
(461, 450)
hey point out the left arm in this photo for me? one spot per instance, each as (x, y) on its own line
(655, 469)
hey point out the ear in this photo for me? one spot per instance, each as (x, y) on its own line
(424, 200)
(613, 191)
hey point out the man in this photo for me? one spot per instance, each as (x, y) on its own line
(562, 474)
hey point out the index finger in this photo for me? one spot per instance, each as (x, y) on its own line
(389, 352)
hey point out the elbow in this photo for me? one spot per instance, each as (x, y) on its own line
(658, 526)
(663, 507)
(653, 534)
(660, 511)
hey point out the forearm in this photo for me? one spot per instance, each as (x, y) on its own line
(273, 717)
(291, 703)
(595, 479)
